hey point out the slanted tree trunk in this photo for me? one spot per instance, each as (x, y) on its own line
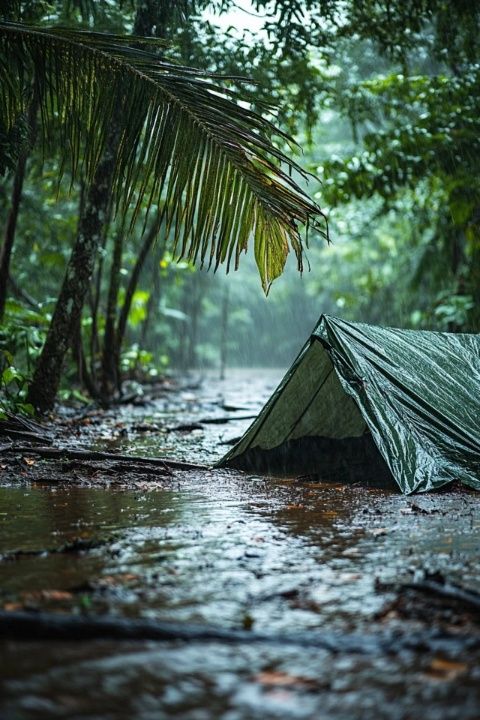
(46, 379)
(47, 375)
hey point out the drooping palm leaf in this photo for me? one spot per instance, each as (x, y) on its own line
(185, 141)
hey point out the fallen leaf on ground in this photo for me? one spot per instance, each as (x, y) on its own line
(443, 669)
(277, 678)
(56, 595)
(111, 580)
(12, 606)
(45, 595)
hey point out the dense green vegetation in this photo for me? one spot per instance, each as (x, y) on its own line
(382, 97)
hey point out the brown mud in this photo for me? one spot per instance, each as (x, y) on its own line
(246, 557)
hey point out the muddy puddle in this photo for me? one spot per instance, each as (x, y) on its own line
(226, 550)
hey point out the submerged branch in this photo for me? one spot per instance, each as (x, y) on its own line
(52, 626)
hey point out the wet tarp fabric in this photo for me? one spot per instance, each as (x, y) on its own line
(416, 392)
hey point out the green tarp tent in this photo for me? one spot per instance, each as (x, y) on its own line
(373, 404)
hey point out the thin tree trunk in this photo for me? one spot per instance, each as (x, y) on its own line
(193, 334)
(224, 332)
(46, 379)
(474, 275)
(132, 286)
(156, 292)
(194, 307)
(109, 376)
(11, 226)
(95, 292)
(150, 16)
(22, 294)
(47, 375)
(12, 219)
(84, 377)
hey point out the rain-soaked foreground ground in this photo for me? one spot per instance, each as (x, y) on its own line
(226, 550)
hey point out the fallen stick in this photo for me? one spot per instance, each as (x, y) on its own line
(198, 425)
(25, 435)
(78, 545)
(222, 420)
(448, 591)
(64, 453)
(26, 423)
(30, 626)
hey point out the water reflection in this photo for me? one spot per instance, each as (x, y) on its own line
(235, 551)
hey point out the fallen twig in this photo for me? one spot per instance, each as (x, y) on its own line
(26, 423)
(76, 545)
(25, 435)
(448, 591)
(227, 419)
(52, 626)
(82, 454)
(16, 426)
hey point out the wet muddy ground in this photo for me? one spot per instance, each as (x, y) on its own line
(231, 551)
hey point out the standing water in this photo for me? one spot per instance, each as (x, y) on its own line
(231, 551)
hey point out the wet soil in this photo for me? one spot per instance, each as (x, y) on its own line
(228, 550)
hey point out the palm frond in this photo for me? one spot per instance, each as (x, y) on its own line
(186, 142)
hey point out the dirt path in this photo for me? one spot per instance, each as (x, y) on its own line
(236, 553)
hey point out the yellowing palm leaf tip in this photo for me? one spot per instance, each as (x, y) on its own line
(186, 144)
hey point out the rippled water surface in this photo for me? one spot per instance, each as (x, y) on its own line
(223, 549)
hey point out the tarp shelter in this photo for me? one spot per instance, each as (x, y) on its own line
(373, 404)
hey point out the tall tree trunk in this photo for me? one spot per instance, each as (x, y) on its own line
(155, 293)
(84, 377)
(193, 307)
(109, 376)
(224, 332)
(473, 277)
(46, 379)
(131, 287)
(12, 219)
(7, 247)
(151, 17)
(94, 296)
(47, 375)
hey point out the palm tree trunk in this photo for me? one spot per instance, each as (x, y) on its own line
(46, 379)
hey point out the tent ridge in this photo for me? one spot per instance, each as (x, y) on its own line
(416, 391)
